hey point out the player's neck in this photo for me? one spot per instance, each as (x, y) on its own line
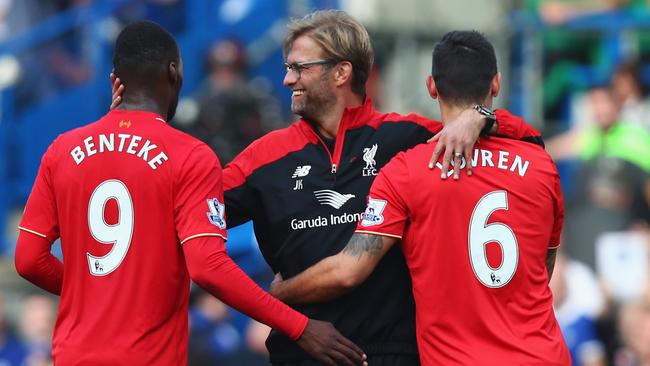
(140, 101)
(449, 112)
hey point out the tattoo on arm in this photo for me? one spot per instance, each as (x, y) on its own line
(364, 243)
(550, 262)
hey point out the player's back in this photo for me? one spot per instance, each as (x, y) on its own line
(125, 289)
(476, 249)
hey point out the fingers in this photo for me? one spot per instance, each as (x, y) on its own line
(117, 95)
(326, 360)
(351, 350)
(468, 160)
(117, 92)
(446, 161)
(436, 154)
(458, 159)
(343, 358)
(116, 102)
(435, 137)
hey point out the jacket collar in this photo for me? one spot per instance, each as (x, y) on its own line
(352, 117)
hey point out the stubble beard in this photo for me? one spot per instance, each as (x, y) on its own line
(317, 101)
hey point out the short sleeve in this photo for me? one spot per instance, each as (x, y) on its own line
(198, 200)
(558, 221)
(386, 211)
(40, 216)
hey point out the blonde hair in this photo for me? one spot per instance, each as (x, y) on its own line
(341, 38)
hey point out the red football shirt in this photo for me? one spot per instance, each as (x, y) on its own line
(476, 249)
(122, 194)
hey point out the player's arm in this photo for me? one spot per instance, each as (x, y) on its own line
(201, 226)
(35, 263)
(211, 268)
(337, 274)
(38, 230)
(459, 136)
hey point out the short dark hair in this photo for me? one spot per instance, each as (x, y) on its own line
(141, 49)
(463, 66)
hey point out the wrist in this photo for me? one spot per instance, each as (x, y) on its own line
(490, 118)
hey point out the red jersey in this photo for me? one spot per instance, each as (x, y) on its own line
(476, 250)
(123, 194)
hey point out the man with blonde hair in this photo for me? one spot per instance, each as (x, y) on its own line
(304, 186)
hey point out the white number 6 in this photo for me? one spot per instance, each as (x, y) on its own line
(480, 234)
(118, 235)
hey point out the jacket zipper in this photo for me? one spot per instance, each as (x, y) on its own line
(329, 154)
(338, 147)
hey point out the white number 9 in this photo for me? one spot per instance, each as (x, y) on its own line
(118, 235)
(480, 234)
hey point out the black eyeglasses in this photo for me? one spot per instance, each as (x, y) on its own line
(299, 67)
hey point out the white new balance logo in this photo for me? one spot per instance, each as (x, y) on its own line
(332, 198)
(301, 171)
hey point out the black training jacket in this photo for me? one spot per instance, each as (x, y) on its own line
(305, 201)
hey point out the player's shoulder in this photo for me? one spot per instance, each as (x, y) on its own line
(528, 149)
(411, 118)
(71, 137)
(532, 155)
(419, 155)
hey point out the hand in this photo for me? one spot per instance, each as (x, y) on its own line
(276, 281)
(457, 140)
(117, 91)
(325, 344)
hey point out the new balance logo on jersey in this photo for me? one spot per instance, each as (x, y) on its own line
(373, 215)
(216, 213)
(332, 198)
(301, 171)
(369, 157)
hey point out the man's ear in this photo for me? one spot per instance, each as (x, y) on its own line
(495, 85)
(342, 72)
(431, 87)
(172, 72)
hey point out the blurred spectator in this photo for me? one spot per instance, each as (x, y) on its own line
(232, 111)
(634, 325)
(60, 63)
(612, 175)
(578, 302)
(12, 351)
(256, 335)
(569, 55)
(168, 13)
(213, 339)
(609, 135)
(36, 327)
(629, 92)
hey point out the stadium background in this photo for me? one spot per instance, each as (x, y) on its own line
(578, 70)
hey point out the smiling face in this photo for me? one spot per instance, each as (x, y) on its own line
(312, 88)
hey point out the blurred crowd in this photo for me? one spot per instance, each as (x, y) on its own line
(228, 111)
(597, 96)
(66, 61)
(597, 124)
